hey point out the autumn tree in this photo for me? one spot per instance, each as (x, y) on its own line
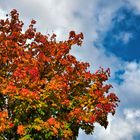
(45, 92)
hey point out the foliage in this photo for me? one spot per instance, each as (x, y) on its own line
(45, 93)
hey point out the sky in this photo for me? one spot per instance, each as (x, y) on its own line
(112, 39)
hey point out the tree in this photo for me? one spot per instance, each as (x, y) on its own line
(45, 93)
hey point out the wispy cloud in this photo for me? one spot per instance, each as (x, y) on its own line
(124, 37)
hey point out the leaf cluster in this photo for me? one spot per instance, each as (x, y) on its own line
(45, 92)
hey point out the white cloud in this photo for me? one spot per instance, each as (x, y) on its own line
(132, 115)
(80, 15)
(120, 128)
(124, 37)
(130, 88)
(124, 128)
(135, 4)
(2, 14)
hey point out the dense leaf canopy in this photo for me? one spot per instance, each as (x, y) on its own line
(45, 92)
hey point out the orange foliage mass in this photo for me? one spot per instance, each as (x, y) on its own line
(46, 92)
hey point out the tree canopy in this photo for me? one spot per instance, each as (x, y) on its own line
(45, 92)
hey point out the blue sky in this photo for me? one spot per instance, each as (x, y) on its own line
(112, 39)
(124, 38)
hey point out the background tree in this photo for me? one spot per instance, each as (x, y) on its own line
(45, 93)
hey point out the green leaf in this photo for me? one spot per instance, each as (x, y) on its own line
(27, 137)
(41, 112)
